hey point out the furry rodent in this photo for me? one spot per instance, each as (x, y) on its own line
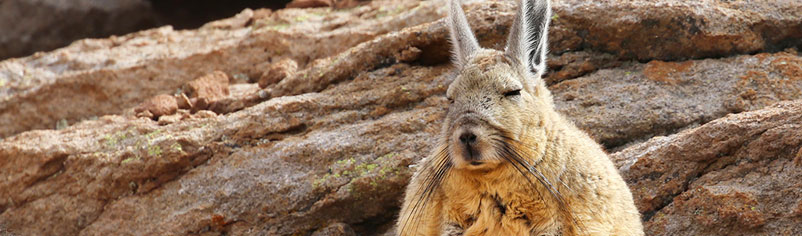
(506, 162)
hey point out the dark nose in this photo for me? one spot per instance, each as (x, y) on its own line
(467, 138)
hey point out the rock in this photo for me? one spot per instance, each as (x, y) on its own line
(309, 3)
(144, 114)
(209, 88)
(277, 72)
(408, 55)
(616, 28)
(205, 114)
(733, 176)
(328, 148)
(158, 106)
(73, 83)
(183, 101)
(336, 229)
(636, 101)
(571, 65)
(671, 30)
(337, 4)
(166, 120)
(50, 24)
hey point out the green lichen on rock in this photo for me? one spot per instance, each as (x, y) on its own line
(154, 150)
(360, 177)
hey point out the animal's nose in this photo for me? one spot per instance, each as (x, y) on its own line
(467, 138)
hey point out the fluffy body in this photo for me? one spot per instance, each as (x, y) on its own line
(525, 170)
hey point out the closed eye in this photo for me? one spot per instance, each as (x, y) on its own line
(513, 93)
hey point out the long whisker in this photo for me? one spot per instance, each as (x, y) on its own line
(518, 159)
(420, 192)
(435, 172)
(506, 154)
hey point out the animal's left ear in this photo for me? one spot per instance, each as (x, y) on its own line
(529, 33)
(462, 38)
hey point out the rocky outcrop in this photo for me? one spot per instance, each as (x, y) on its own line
(672, 30)
(347, 100)
(737, 175)
(94, 77)
(639, 100)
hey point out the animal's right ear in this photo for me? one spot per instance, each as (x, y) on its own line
(462, 38)
(529, 33)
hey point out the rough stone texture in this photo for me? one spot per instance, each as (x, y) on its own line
(325, 3)
(211, 86)
(328, 148)
(670, 30)
(637, 101)
(738, 175)
(277, 72)
(336, 229)
(29, 26)
(158, 106)
(244, 45)
(94, 77)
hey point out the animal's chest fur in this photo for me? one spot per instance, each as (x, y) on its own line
(498, 208)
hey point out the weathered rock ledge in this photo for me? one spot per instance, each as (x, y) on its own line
(737, 175)
(347, 100)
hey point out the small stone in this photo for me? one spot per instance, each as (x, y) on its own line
(210, 87)
(408, 55)
(144, 114)
(166, 120)
(335, 229)
(277, 72)
(199, 104)
(184, 113)
(158, 105)
(183, 101)
(205, 114)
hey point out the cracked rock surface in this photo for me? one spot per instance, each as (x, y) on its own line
(738, 173)
(307, 121)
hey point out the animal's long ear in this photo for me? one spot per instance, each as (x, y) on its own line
(462, 37)
(529, 33)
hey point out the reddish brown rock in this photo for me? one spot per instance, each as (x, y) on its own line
(183, 101)
(625, 29)
(209, 87)
(158, 106)
(95, 77)
(277, 72)
(571, 65)
(336, 229)
(408, 55)
(676, 30)
(328, 148)
(169, 119)
(637, 101)
(733, 176)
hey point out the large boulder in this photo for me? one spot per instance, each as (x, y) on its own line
(738, 175)
(326, 147)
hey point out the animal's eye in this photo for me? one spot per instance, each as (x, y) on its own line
(513, 93)
(450, 100)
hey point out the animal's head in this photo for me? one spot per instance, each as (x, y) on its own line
(496, 95)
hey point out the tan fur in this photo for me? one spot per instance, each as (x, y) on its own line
(573, 188)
